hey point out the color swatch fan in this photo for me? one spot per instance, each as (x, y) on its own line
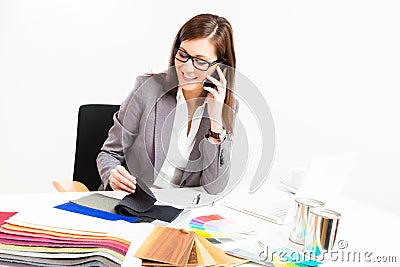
(218, 229)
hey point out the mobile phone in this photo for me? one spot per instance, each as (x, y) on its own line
(208, 83)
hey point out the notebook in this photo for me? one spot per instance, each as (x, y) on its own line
(268, 204)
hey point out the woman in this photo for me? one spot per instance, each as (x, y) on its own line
(172, 130)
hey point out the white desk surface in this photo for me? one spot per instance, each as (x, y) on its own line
(365, 229)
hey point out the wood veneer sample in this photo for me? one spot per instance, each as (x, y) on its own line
(167, 245)
(219, 256)
(172, 247)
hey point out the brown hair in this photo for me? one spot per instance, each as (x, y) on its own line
(219, 31)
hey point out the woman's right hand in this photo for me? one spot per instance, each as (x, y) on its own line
(121, 179)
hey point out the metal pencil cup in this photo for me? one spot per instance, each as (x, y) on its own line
(300, 218)
(321, 231)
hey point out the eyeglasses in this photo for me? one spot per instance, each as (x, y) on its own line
(200, 64)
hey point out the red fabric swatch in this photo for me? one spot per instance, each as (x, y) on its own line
(5, 216)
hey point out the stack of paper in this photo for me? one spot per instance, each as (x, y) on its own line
(53, 237)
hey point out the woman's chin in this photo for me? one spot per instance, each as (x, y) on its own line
(192, 86)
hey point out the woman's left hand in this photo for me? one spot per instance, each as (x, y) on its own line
(216, 100)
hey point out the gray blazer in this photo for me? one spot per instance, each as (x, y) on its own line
(140, 137)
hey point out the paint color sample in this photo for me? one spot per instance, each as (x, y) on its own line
(218, 229)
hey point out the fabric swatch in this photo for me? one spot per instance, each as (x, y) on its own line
(142, 200)
(157, 212)
(98, 201)
(37, 261)
(72, 207)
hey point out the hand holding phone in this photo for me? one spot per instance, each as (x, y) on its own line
(215, 75)
(217, 90)
(207, 83)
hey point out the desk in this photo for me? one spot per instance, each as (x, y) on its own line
(365, 229)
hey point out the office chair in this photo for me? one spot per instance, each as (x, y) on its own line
(94, 121)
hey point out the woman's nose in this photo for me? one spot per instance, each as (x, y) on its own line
(188, 66)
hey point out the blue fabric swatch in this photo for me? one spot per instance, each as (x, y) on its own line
(72, 207)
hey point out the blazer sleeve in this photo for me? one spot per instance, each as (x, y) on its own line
(112, 152)
(217, 162)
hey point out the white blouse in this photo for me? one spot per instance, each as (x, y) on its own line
(181, 143)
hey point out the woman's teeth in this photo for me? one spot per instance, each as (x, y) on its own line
(189, 77)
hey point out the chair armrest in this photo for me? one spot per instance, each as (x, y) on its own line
(69, 186)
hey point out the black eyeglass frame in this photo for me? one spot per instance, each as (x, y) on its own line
(192, 57)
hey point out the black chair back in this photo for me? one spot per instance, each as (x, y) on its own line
(94, 122)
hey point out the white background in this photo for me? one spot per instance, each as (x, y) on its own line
(329, 71)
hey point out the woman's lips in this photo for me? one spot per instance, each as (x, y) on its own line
(188, 78)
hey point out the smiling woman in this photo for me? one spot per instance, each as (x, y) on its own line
(175, 130)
